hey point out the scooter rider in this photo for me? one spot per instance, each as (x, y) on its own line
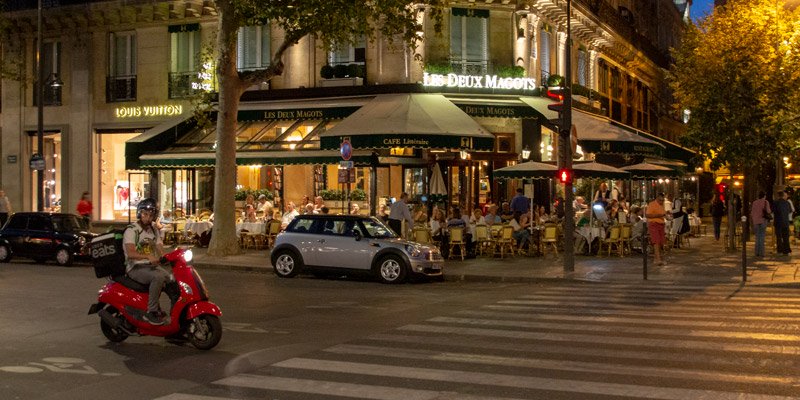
(143, 247)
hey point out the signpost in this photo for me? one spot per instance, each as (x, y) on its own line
(346, 172)
(37, 162)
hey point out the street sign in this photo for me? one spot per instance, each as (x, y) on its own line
(37, 162)
(344, 176)
(345, 164)
(346, 149)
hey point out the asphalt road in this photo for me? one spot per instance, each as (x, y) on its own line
(309, 338)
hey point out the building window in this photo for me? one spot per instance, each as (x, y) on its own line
(583, 67)
(602, 78)
(121, 81)
(253, 48)
(51, 65)
(119, 190)
(469, 53)
(355, 53)
(184, 59)
(544, 51)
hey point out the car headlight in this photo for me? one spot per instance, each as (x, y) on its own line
(413, 251)
(187, 256)
(81, 240)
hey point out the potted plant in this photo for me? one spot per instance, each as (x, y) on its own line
(358, 195)
(340, 71)
(326, 72)
(555, 80)
(438, 68)
(510, 71)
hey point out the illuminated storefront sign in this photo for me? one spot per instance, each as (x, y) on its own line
(478, 82)
(165, 110)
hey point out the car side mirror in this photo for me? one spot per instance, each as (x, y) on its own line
(357, 235)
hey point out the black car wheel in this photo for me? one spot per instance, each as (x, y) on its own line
(392, 269)
(287, 264)
(5, 253)
(63, 256)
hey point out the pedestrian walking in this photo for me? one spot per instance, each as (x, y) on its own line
(655, 214)
(717, 212)
(5, 208)
(783, 212)
(85, 208)
(760, 213)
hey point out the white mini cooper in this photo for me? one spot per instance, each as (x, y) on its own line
(325, 243)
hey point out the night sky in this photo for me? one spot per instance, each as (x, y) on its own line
(701, 7)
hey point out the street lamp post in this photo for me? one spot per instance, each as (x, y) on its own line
(39, 110)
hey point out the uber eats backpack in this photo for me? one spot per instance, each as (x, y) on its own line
(108, 254)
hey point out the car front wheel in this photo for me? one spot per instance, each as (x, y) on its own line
(5, 253)
(392, 269)
(63, 257)
(287, 264)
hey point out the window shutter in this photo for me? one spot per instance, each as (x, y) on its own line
(266, 51)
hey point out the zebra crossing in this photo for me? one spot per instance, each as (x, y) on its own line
(567, 341)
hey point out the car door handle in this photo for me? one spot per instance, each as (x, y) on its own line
(375, 244)
(321, 240)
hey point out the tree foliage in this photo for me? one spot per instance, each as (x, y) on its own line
(332, 23)
(737, 71)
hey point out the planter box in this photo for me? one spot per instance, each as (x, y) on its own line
(341, 82)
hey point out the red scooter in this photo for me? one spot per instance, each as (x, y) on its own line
(122, 303)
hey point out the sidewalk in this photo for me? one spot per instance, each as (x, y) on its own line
(704, 262)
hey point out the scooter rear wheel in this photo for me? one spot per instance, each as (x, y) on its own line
(205, 331)
(114, 335)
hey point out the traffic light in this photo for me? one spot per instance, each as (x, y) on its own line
(565, 175)
(557, 93)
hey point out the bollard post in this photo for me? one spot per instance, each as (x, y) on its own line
(644, 254)
(744, 250)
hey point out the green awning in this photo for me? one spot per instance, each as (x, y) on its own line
(208, 159)
(156, 139)
(598, 134)
(416, 120)
(672, 150)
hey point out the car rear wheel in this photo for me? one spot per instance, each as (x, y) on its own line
(63, 257)
(5, 253)
(392, 269)
(287, 264)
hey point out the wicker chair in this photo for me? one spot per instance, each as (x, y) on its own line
(421, 234)
(625, 235)
(506, 240)
(457, 240)
(484, 239)
(273, 229)
(613, 240)
(550, 237)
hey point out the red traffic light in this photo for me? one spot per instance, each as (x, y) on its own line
(565, 175)
(556, 93)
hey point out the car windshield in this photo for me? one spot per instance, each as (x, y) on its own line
(377, 229)
(66, 223)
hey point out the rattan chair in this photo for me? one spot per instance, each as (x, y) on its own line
(506, 240)
(484, 239)
(613, 240)
(421, 234)
(550, 237)
(273, 229)
(457, 240)
(625, 235)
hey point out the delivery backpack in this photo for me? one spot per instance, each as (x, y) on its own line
(108, 255)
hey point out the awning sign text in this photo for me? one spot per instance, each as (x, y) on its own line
(478, 82)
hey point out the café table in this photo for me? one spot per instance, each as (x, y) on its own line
(198, 227)
(252, 227)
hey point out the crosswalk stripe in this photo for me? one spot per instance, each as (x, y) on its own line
(516, 381)
(627, 341)
(559, 365)
(672, 331)
(632, 305)
(727, 294)
(555, 309)
(550, 348)
(331, 388)
(181, 396)
(644, 298)
(628, 320)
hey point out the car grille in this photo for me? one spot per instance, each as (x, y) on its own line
(435, 256)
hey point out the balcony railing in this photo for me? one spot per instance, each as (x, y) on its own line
(120, 88)
(469, 67)
(180, 84)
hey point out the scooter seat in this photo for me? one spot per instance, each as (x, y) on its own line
(129, 283)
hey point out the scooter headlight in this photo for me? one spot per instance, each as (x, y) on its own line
(187, 256)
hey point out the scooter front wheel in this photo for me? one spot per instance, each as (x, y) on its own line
(205, 331)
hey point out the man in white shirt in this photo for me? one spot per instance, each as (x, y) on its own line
(264, 205)
(289, 215)
(398, 212)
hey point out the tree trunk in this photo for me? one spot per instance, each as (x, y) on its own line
(223, 241)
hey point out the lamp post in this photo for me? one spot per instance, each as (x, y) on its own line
(699, 171)
(37, 160)
(565, 148)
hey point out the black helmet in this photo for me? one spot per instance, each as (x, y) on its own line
(147, 204)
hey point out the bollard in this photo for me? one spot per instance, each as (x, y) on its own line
(744, 250)
(644, 254)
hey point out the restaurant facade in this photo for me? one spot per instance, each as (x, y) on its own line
(122, 126)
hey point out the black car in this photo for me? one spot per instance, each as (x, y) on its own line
(44, 236)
